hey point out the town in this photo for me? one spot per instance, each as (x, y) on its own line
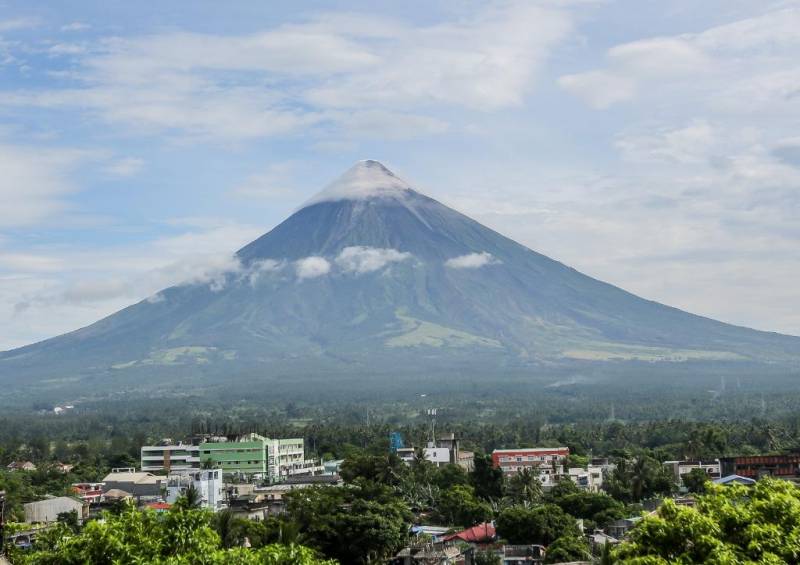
(257, 479)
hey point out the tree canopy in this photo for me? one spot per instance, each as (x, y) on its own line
(736, 524)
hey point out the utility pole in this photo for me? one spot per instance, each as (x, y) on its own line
(2, 521)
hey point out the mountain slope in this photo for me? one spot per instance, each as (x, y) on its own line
(371, 275)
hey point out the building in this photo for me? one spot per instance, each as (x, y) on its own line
(46, 511)
(250, 455)
(519, 554)
(481, 534)
(170, 457)
(731, 480)
(91, 493)
(547, 461)
(332, 467)
(21, 466)
(137, 484)
(272, 496)
(207, 482)
(681, 468)
(756, 466)
(589, 479)
(619, 528)
(444, 451)
(439, 456)
(441, 553)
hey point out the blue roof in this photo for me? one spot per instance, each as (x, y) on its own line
(734, 479)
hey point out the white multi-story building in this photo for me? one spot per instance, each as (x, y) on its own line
(681, 468)
(207, 482)
(439, 456)
(589, 479)
(253, 455)
(170, 457)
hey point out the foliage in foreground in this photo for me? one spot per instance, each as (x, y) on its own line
(729, 525)
(182, 536)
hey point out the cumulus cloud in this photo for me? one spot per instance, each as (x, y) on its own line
(35, 181)
(471, 261)
(260, 268)
(312, 267)
(741, 65)
(360, 260)
(359, 74)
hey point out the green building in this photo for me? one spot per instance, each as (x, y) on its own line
(254, 454)
(250, 455)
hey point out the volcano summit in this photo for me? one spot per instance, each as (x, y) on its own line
(372, 278)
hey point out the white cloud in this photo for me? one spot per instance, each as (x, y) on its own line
(362, 75)
(76, 26)
(360, 260)
(260, 268)
(312, 267)
(693, 143)
(743, 65)
(34, 182)
(471, 261)
(125, 167)
(599, 89)
(16, 24)
(54, 289)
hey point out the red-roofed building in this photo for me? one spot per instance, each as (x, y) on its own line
(482, 533)
(541, 459)
(159, 506)
(92, 493)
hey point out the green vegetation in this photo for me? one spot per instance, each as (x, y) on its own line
(733, 524)
(182, 536)
(368, 519)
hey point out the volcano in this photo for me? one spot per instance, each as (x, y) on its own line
(372, 277)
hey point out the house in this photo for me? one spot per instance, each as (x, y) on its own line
(436, 533)
(159, 506)
(46, 511)
(115, 495)
(514, 554)
(64, 467)
(589, 479)
(256, 507)
(735, 480)
(681, 468)
(136, 484)
(619, 528)
(21, 466)
(440, 553)
(599, 539)
(480, 534)
(332, 467)
(91, 493)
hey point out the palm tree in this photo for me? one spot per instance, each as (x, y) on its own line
(224, 523)
(525, 486)
(192, 497)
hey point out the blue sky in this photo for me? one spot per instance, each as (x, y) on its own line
(651, 144)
